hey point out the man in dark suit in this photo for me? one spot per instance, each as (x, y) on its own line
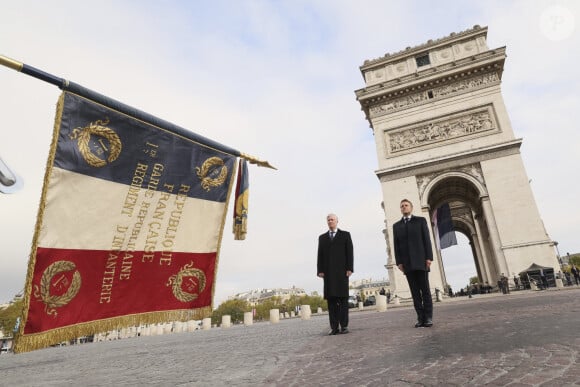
(335, 266)
(413, 255)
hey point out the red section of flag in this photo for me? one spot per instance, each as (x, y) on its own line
(76, 286)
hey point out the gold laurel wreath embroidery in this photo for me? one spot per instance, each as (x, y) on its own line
(207, 182)
(98, 128)
(176, 280)
(43, 293)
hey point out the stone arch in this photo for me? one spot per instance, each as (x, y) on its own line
(455, 149)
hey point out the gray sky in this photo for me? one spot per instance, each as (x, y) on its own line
(276, 79)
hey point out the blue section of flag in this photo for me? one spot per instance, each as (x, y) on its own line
(101, 142)
(445, 229)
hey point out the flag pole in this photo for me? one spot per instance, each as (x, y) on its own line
(33, 72)
(64, 84)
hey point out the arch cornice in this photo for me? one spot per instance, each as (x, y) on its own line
(446, 175)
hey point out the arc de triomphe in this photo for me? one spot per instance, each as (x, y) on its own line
(443, 135)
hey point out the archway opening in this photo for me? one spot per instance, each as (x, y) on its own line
(469, 258)
(459, 263)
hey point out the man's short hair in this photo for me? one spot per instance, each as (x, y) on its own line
(408, 201)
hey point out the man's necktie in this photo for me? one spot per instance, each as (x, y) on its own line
(332, 235)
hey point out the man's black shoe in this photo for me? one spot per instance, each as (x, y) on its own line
(344, 330)
(333, 332)
(419, 324)
(428, 323)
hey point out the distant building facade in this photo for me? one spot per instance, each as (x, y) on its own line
(258, 296)
(369, 287)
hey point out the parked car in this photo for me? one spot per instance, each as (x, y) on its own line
(370, 300)
(352, 302)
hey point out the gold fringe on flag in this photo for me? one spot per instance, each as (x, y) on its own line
(30, 342)
(18, 347)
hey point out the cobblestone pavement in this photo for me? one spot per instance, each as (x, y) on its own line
(521, 339)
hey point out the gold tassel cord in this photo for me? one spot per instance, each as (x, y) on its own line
(258, 162)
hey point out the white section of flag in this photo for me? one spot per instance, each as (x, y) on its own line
(83, 212)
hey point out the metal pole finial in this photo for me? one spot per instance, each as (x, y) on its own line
(11, 63)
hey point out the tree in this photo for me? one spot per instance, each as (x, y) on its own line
(574, 259)
(234, 308)
(263, 308)
(315, 302)
(9, 315)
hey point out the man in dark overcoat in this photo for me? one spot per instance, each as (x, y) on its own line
(335, 266)
(413, 255)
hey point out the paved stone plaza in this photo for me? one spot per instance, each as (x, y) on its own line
(522, 339)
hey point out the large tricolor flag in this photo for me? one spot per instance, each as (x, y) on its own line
(129, 226)
(443, 227)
